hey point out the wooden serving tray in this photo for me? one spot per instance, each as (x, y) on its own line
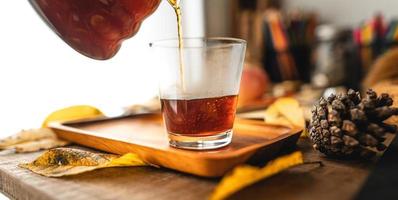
(145, 135)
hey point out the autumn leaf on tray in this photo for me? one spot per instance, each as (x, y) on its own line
(244, 176)
(67, 161)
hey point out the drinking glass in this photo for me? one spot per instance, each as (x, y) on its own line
(199, 86)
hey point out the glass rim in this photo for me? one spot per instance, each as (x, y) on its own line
(228, 41)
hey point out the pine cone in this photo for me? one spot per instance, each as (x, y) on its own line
(347, 126)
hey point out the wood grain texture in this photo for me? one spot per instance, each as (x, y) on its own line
(336, 180)
(145, 135)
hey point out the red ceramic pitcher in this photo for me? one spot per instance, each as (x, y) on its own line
(95, 28)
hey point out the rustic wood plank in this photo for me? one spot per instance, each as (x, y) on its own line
(336, 180)
(115, 183)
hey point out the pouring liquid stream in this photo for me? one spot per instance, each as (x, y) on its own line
(177, 9)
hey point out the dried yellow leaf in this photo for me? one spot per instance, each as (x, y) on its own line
(273, 116)
(44, 138)
(32, 140)
(127, 160)
(291, 110)
(42, 144)
(244, 176)
(285, 111)
(66, 161)
(26, 136)
(72, 113)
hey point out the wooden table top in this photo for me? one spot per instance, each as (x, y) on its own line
(336, 180)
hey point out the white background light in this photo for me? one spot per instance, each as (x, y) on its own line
(39, 73)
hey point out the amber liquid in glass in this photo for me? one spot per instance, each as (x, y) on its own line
(199, 117)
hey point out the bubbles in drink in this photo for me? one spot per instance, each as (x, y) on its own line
(199, 117)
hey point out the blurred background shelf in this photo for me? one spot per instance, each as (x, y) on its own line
(296, 48)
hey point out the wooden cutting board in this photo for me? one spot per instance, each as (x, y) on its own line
(145, 135)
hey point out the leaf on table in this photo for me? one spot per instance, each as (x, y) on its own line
(273, 116)
(44, 138)
(26, 136)
(67, 161)
(291, 110)
(72, 113)
(43, 144)
(244, 176)
(284, 111)
(287, 112)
